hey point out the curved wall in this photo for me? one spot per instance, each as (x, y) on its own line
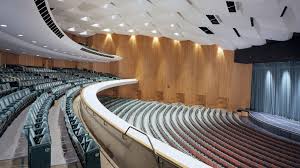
(134, 149)
(173, 71)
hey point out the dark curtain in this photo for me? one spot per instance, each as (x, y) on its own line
(276, 89)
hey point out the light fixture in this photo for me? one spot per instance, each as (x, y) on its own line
(105, 6)
(121, 24)
(83, 33)
(95, 25)
(107, 30)
(113, 17)
(3, 25)
(37, 55)
(176, 34)
(72, 29)
(45, 46)
(146, 24)
(85, 18)
(154, 31)
(131, 31)
(60, 0)
(172, 25)
(33, 42)
(20, 35)
(7, 49)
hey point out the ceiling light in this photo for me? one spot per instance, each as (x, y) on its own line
(176, 34)
(106, 30)
(113, 17)
(20, 35)
(3, 25)
(83, 33)
(60, 0)
(121, 24)
(146, 24)
(131, 31)
(95, 25)
(7, 49)
(33, 42)
(85, 18)
(105, 6)
(45, 46)
(37, 55)
(172, 25)
(154, 31)
(72, 29)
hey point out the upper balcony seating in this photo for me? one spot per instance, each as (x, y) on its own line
(58, 91)
(83, 82)
(37, 69)
(37, 131)
(87, 150)
(12, 104)
(6, 89)
(31, 83)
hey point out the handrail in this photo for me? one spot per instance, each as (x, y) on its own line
(153, 150)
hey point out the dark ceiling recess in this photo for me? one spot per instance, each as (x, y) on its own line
(231, 6)
(279, 51)
(212, 19)
(206, 30)
(283, 11)
(236, 32)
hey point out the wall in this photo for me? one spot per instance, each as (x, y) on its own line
(173, 71)
(167, 70)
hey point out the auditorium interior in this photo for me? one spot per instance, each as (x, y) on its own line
(149, 83)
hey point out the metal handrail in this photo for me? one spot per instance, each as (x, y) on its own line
(153, 150)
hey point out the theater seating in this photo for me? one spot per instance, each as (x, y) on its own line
(58, 91)
(6, 89)
(214, 136)
(37, 131)
(45, 87)
(30, 83)
(87, 150)
(11, 105)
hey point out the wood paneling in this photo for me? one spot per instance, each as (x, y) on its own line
(203, 74)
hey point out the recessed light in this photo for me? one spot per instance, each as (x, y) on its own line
(146, 24)
(95, 25)
(72, 29)
(85, 18)
(45, 46)
(3, 25)
(176, 34)
(20, 35)
(105, 6)
(60, 0)
(172, 25)
(121, 24)
(49, 57)
(7, 49)
(37, 55)
(131, 31)
(113, 17)
(107, 30)
(83, 33)
(33, 42)
(154, 31)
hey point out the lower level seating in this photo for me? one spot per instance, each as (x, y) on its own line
(5, 89)
(58, 91)
(87, 150)
(11, 105)
(37, 131)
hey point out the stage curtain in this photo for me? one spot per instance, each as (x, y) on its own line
(276, 89)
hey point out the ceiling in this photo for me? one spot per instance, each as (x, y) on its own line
(181, 19)
(28, 28)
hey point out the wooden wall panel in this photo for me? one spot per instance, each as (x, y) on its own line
(201, 73)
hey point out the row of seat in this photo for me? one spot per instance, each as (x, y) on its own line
(37, 131)
(45, 87)
(58, 91)
(12, 104)
(6, 89)
(83, 82)
(30, 83)
(214, 136)
(87, 150)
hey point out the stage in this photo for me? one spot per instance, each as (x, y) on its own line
(277, 125)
